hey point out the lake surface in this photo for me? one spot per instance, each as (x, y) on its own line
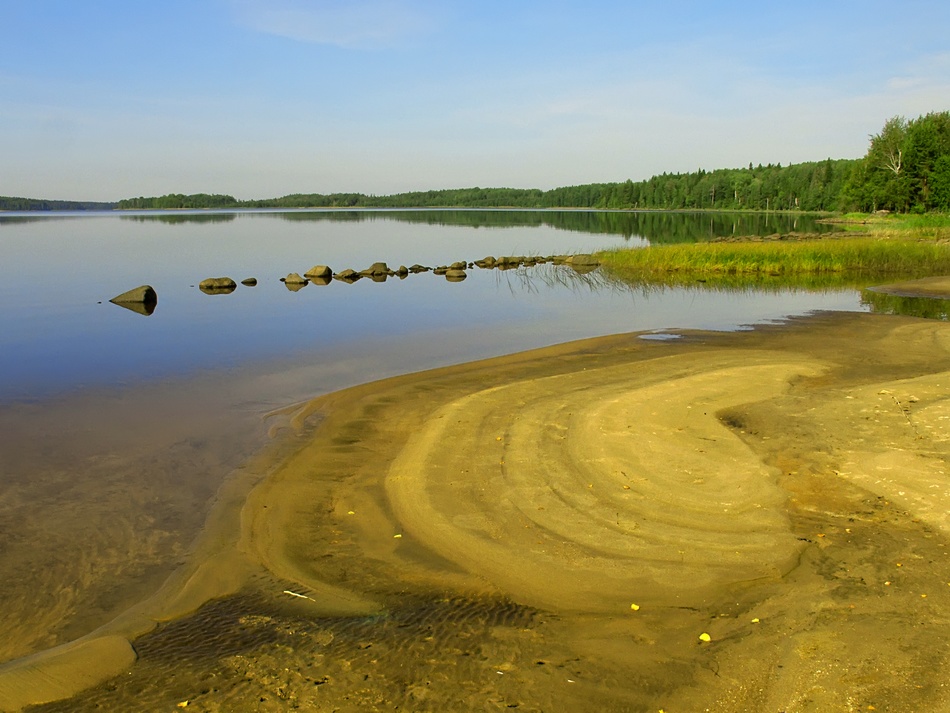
(60, 333)
(117, 428)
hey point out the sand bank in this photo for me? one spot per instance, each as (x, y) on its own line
(555, 529)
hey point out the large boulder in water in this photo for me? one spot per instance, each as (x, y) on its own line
(139, 295)
(141, 300)
(217, 286)
(348, 275)
(377, 269)
(319, 272)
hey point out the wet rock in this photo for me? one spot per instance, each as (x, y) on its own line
(141, 300)
(295, 286)
(458, 265)
(441, 270)
(377, 269)
(507, 262)
(321, 280)
(217, 286)
(455, 275)
(249, 282)
(347, 275)
(416, 269)
(583, 263)
(402, 272)
(137, 295)
(319, 271)
(294, 279)
(487, 262)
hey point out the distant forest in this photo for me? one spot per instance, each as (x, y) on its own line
(11, 203)
(906, 169)
(804, 186)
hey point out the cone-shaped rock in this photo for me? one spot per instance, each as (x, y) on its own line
(141, 300)
(141, 295)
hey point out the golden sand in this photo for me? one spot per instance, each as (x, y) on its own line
(782, 491)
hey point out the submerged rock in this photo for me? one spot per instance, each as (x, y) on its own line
(583, 263)
(455, 275)
(249, 282)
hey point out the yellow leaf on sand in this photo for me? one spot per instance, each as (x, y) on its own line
(705, 637)
(635, 607)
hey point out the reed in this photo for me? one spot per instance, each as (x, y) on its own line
(837, 260)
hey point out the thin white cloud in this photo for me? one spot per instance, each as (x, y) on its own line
(353, 24)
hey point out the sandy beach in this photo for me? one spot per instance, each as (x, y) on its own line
(722, 521)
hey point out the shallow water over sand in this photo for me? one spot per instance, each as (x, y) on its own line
(118, 429)
(367, 604)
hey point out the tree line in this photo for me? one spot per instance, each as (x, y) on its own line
(906, 168)
(805, 187)
(39, 204)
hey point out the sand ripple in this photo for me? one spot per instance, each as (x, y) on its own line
(602, 487)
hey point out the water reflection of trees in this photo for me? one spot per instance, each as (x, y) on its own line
(924, 307)
(182, 218)
(655, 226)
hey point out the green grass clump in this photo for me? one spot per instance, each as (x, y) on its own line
(789, 260)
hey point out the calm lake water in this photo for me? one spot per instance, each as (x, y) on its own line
(60, 333)
(118, 428)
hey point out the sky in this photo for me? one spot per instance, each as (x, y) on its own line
(110, 99)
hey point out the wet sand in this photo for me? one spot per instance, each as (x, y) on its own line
(555, 530)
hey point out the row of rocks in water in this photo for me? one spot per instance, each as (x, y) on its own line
(380, 271)
(143, 299)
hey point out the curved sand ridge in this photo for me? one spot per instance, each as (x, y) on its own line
(586, 477)
(596, 488)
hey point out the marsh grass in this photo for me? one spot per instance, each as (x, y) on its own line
(926, 226)
(842, 262)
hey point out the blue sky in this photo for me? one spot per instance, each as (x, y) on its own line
(101, 100)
